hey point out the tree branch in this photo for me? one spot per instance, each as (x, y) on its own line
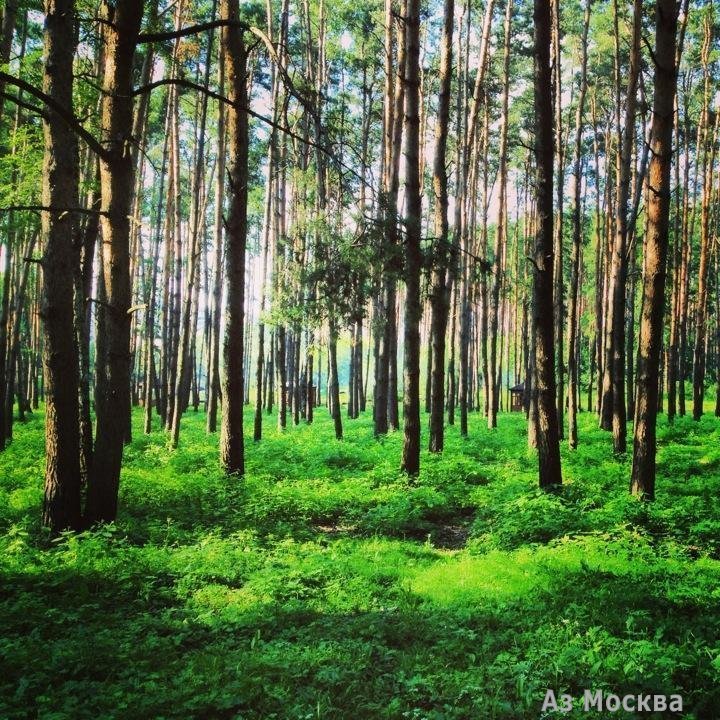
(191, 30)
(181, 82)
(63, 113)
(25, 105)
(47, 208)
(283, 71)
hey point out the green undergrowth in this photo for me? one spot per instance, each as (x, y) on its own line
(327, 585)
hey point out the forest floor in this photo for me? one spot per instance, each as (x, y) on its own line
(325, 585)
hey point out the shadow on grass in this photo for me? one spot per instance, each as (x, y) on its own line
(87, 644)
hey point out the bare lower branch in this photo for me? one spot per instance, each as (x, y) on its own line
(47, 208)
(66, 115)
(191, 30)
(181, 82)
(25, 105)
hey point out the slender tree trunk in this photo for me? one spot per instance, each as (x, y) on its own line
(267, 240)
(112, 391)
(232, 449)
(61, 506)
(440, 292)
(184, 357)
(15, 360)
(333, 380)
(216, 330)
(151, 375)
(576, 258)
(614, 366)
(559, 294)
(655, 250)
(413, 257)
(452, 390)
(310, 382)
(686, 255)
(83, 320)
(8, 17)
(717, 335)
(175, 225)
(491, 372)
(5, 430)
(380, 315)
(548, 443)
(676, 254)
(709, 152)
(7, 29)
(395, 260)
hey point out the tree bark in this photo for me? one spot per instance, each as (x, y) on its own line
(381, 356)
(184, 357)
(576, 258)
(491, 374)
(61, 506)
(214, 369)
(268, 226)
(413, 257)
(7, 29)
(440, 290)
(709, 152)
(150, 313)
(614, 366)
(112, 391)
(548, 444)
(655, 250)
(232, 449)
(333, 380)
(559, 294)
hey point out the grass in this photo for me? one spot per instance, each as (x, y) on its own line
(325, 585)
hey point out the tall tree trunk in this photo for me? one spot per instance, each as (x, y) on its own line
(380, 319)
(184, 356)
(655, 250)
(717, 335)
(7, 29)
(676, 262)
(440, 290)
(491, 373)
(576, 258)
(112, 391)
(174, 225)
(61, 506)
(8, 19)
(214, 365)
(688, 229)
(709, 152)
(548, 442)
(614, 366)
(413, 256)
(393, 261)
(333, 379)
(268, 226)
(451, 392)
(15, 358)
(151, 375)
(5, 434)
(83, 322)
(232, 449)
(559, 294)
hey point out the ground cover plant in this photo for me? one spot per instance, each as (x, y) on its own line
(328, 585)
(274, 273)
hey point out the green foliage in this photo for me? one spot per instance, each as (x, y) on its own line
(325, 585)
